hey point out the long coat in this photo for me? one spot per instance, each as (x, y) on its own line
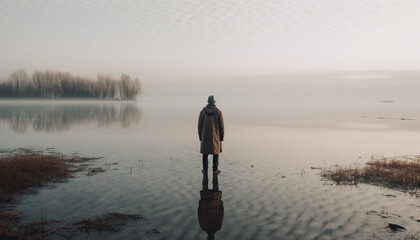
(211, 130)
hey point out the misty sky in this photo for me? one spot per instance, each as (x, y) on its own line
(204, 38)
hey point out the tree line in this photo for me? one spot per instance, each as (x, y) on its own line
(56, 84)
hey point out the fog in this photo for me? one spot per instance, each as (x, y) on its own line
(322, 86)
(201, 38)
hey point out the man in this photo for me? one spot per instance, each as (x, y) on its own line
(211, 132)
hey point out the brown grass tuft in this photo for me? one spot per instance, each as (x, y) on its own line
(20, 172)
(340, 174)
(109, 222)
(385, 171)
(11, 229)
(23, 172)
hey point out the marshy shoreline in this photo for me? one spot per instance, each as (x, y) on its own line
(25, 171)
(396, 173)
(399, 173)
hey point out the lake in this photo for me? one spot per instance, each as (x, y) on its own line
(271, 187)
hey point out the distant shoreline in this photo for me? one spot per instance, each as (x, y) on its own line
(67, 99)
(62, 85)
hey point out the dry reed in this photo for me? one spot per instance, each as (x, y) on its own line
(22, 172)
(18, 174)
(109, 222)
(389, 172)
(31, 231)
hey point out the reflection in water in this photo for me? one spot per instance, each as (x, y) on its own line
(59, 117)
(210, 207)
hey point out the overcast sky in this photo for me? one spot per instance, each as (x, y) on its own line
(205, 38)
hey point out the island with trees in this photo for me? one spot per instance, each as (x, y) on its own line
(56, 84)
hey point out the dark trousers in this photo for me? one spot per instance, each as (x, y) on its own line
(206, 162)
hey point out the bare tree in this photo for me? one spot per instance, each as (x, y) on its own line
(51, 84)
(19, 81)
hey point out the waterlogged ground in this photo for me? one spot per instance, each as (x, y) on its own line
(269, 190)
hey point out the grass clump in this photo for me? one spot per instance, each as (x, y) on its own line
(391, 172)
(111, 222)
(21, 172)
(32, 231)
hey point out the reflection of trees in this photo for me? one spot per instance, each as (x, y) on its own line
(60, 117)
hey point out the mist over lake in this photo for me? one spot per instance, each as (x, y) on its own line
(271, 184)
(106, 107)
(294, 86)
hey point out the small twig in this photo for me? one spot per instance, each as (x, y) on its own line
(374, 235)
(303, 170)
(44, 233)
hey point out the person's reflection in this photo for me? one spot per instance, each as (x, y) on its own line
(210, 207)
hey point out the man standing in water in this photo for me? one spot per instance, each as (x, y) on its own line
(211, 132)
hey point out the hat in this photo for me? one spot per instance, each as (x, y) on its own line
(211, 99)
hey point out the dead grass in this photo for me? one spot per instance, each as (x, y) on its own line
(109, 222)
(342, 174)
(21, 172)
(10, 229)
(391, 172)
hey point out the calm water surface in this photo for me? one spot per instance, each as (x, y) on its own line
(269, 190)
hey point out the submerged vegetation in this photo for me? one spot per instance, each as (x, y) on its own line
(111, 222)
(18, 173)
(55, 84)
(391, 172)
(23, 172)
